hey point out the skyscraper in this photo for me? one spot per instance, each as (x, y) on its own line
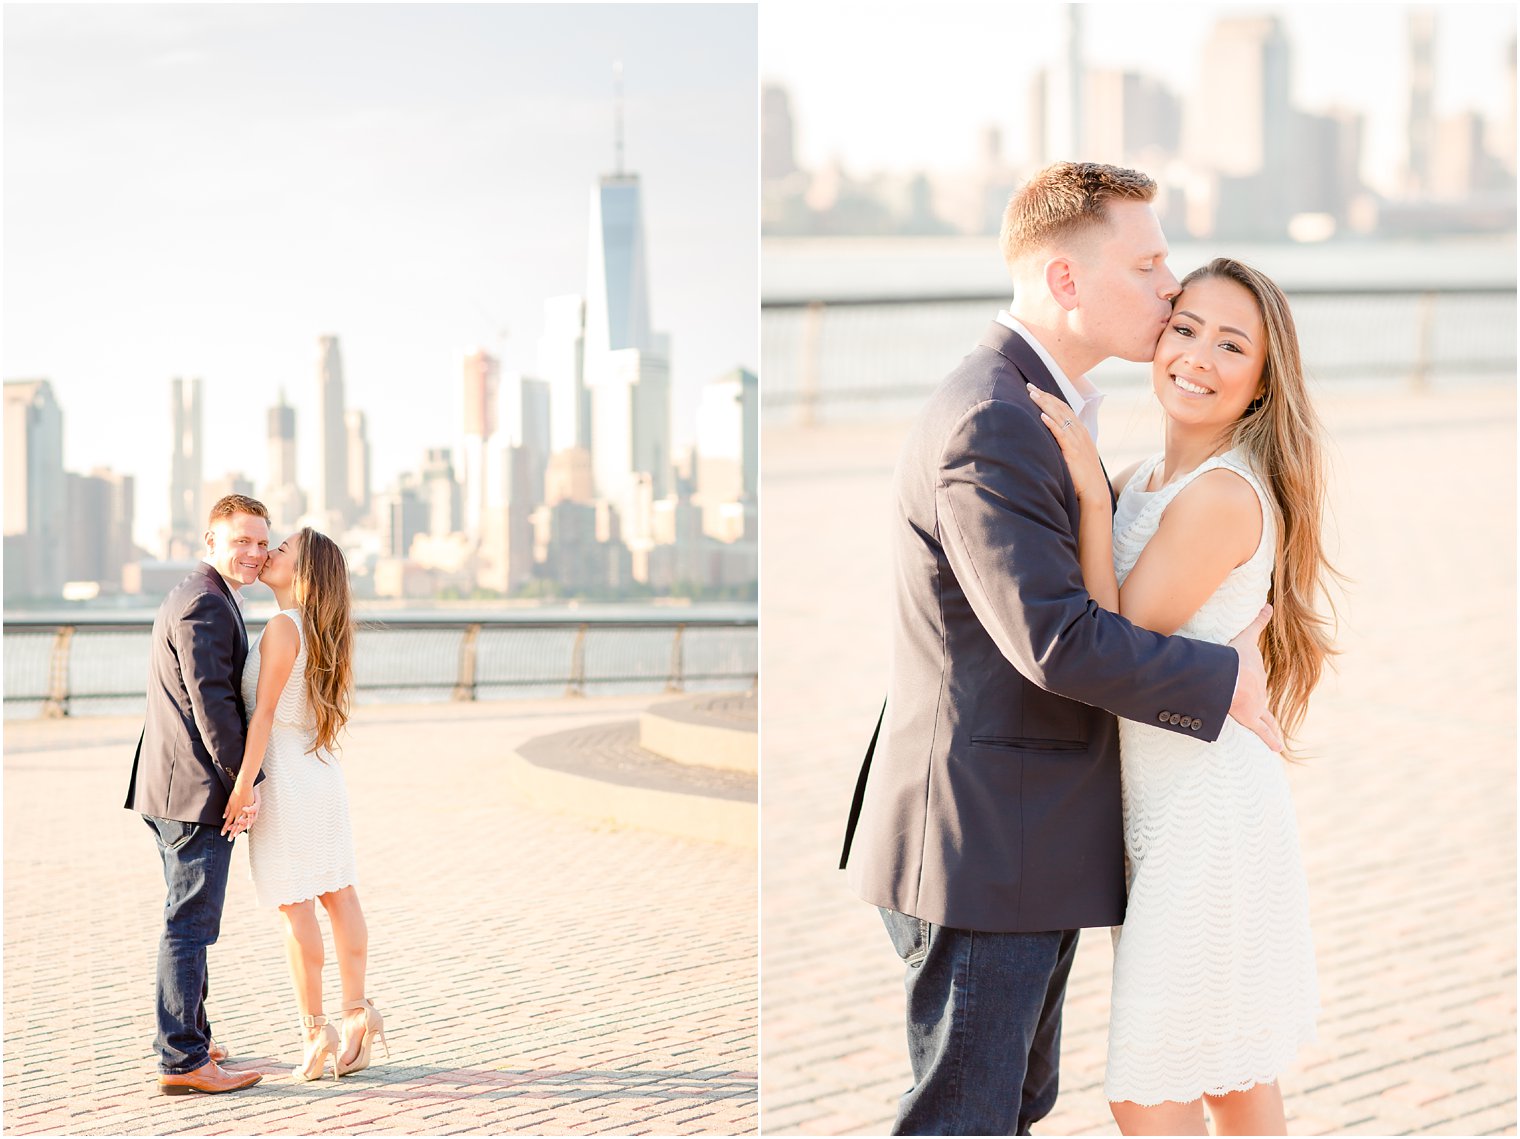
(186, 526)
(440, 490)
(1421, 123)
(482, 379)
(1243, 128)
(627, 366)
(331, 498)
(35, 490)
(528, 414)
(561, 362)
(101, 505)
(358, 462)
(728, 462)
(282, 493)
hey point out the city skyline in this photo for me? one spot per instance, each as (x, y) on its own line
(980, 76)
(437, 221)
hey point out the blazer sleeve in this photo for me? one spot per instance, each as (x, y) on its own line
(1000, 503)
(206, 648)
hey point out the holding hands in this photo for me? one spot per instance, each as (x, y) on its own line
(242, 810)
(1077, 447)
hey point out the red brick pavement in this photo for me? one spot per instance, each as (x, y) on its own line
(537, 974)
(1407, 809)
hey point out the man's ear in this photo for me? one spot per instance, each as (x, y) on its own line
(210, 539)
(1060, 279)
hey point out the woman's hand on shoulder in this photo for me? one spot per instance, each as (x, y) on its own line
(1077, 448)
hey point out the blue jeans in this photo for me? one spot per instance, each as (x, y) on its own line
(984, 1026)
(196, 861)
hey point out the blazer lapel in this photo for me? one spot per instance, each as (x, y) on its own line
(1016, 350)
(232, 601)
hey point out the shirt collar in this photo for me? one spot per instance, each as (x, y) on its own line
(1079, 394)
(235, 590)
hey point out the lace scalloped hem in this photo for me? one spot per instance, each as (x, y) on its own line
(305, 894)
(1179, 1093)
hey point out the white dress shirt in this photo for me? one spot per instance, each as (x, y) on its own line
(1084, 398)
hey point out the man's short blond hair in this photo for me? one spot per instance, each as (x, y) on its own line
(1063, 200)
(230, 504)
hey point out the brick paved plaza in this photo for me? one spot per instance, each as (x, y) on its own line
(537, 974)
(1406, 806)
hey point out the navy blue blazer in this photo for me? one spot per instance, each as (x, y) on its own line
(192, 741)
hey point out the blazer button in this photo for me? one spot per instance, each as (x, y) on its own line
(1163, 716)
(1197, 723)
(1174, 719)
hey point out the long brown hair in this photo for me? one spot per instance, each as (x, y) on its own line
(320, 585)
(1283, 438)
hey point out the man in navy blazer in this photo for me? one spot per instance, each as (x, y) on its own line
(990, 829)
(187, 759)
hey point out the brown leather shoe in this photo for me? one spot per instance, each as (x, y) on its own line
(217, 1053)
(210, 1078)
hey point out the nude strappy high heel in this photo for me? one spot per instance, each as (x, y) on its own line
(373, 1030)
(318, 1049)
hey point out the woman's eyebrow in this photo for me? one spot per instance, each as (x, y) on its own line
(1222, 328)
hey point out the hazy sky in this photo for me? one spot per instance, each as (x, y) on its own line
(920, 80)
(202, 190)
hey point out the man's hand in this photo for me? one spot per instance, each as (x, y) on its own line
(1249, 707)
(242, 808)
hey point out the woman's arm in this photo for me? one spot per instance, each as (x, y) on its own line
(1213, 525)
(277, 650)
(1095, 527)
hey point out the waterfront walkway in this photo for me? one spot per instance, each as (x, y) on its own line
(1406, 805)
(537, 974)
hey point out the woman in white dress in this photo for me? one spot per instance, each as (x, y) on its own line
(297, 687)
(1214, 985)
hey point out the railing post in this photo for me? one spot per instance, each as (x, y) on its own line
(577, 685)
(464, 686)
(57, 703)
(1424, 340)
(677, 681)
(812, 348)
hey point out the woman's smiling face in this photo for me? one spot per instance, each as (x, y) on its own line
(1209, 360)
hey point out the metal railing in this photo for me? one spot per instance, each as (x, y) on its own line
(881, 355)
(98, 665)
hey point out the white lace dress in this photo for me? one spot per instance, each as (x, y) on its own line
(1214, 985)
(302, 844)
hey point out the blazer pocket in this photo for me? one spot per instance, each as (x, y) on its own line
(1028, 743)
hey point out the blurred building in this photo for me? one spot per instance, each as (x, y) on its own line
(569, 477)
(441, 491)
(561, 362)
(727, 459)
(482, 374)
(331, 498)
(187, 524)
(627, 365)
(778, 158)
(282, 492)
(213, 490)
(506, 540)
(100, 516)
(529, 428)
(401, 513)
(357, 447)
(1420, 122)
(35, 491)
